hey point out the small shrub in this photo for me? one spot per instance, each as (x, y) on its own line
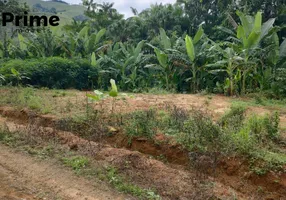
(52, 72)
(178, 116)
(265, 127)
(233, 119)
(243, 141)
(199, 131)
(141, 123)
(259, 100)
(271, 124)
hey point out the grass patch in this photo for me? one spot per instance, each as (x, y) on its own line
(118, 182)
(260, 101)
(77, 163)
(263, 161)
(27, 98)
(43, 100)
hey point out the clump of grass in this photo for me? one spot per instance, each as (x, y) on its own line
(261, 100)
(118, 182)
(59, 93)
(76, 163)
(233, 117)
(6, 138)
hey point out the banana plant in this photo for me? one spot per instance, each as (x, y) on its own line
(229, 64)
(163, 65)
(165, 55)
(96, 77)
(98, 95)
(18, 76)
(83, 43)
(132, 57)
(192, 47)
(123, 61)
(113, 92)
(249, 35)
(282, 54)
(41, 44)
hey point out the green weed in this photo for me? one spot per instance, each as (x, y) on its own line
(76, 163)
(118, 182)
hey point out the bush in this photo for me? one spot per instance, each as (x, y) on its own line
(233, 118)
(53, 72)
(255, 132)
(141, 123)
(200, 132)
(278, 87)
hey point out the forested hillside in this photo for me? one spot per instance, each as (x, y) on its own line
(66, 11)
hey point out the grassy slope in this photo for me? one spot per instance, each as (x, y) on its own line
(65, 12)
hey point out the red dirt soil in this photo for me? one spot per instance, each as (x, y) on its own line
(171, 181)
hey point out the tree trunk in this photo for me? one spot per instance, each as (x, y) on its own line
(231, 86)
(243, 84)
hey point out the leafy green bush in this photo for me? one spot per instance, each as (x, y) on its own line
(253, 133)
(243, 141)
(53, 72)
(141, 123)
(200, 132)
(278, 87)
(233, 118)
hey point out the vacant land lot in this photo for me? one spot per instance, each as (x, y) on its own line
(59, 144)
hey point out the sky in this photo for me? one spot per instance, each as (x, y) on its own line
(123, 6)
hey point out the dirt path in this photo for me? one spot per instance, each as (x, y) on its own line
(24, 177)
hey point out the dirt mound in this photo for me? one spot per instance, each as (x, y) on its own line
(26, 116)
(161, 147)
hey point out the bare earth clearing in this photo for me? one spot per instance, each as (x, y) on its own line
(26, 177)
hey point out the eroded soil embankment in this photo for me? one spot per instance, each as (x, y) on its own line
(175, 182)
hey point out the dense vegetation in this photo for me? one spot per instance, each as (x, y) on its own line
(190, 46)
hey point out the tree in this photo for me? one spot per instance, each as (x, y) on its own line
(102, 15)
(194, 51)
